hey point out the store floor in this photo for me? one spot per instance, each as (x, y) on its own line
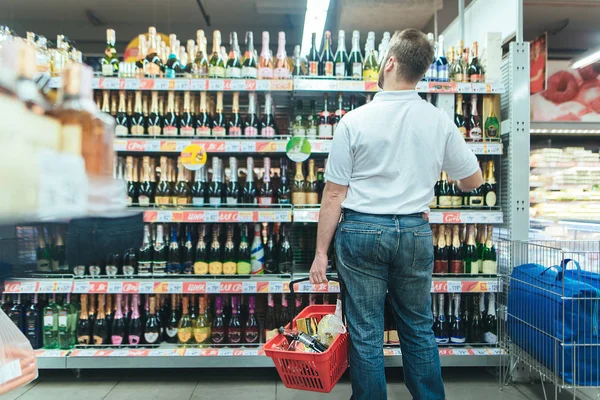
(239, 384)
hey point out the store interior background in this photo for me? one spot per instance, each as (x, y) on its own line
(572, 29)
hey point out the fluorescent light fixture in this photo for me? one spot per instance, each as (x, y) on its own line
(585, 60)
(314, 21)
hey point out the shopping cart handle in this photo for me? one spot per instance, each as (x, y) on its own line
(329, 277)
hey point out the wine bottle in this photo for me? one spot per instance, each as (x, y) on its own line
(163, 189)
(201, 57)
(443, 332)
(234, 327)
(267, 125)
(187, 122)
(146, 186)
(281, 70)
(313, 59)
(298, 127)
(475, 133)
(200, 187)
(475, 71)
(154, 121)
(50, 326)
(216, 186)
(283, 190)
(297, 60)
(257, 253)
(299, 195)
(321, 181)
(265, 193)
(265, 61)
(122, 119)
(204, 122)
(492, 126)
(43, 253)
(133, 323)
(270, 255)
(229, 259)
(456, 261)
(113, 265)
(312, 119)
(270, 325)
(249, 68)
(110, 61)
(160, 253)
(441, 254)
(172, 322)
(235, 122)
(459, 118)
(83, 326)
(457, 67)
(284, 312)
(355, 60)
(475, 197)
(233, 189)
(285, 256)
(325, 121)
(307, 340)
(201, 253)
(244, 261)
(489, 187)
(174, 263)
(100, 324)
(489, 260)
(456, 195)
(218, 328)
(249, 195)
(192, 68)
(118, 323)
(490, 323)
(470, 256)
(251, 123)
(33, 323)
(234, 66)
(132, 189)
(185, 325)
(457, 325)
(341, 57)
(216, 67)
(339, 112)
(17, 314)
(152, 331)
(219, 127)
(202, 332)
(312, 189)
(326, 59)
(138, 120)
(182, 190)
(145, 254)
(370, 66)
(154, 63)
(441, 63)
(251, 332)
(475, 327)
(173, 66)
(443, 193)
(215, 260)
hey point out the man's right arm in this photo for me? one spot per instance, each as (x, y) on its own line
(470, 183)
(459, 161)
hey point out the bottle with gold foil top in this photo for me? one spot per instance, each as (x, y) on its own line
(490, 187)
(219, 127)
(281, 70)
(201, 58)
(141, 61)
(455, 258)
(187, 120)
(122, 118)
(60, 56)
(444, 193)
(235, 121)
(154, 120)
(154, 63)
(489, 264)
(216, 68)
(204, 121)
(202, 332)
(370, 65)
(229, 259)
(215, 262)
(182, 187)
(163, 189)
(201, 253)
(312, 187)
(132, 188)
(299, 195)
(265, 60)
(234, 65)
(186, 324)
(170, 119)
(138, 120)
(146, 187)
(110, 61)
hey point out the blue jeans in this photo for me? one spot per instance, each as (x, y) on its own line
(380, 254)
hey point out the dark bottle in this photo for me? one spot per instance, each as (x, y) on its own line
(234, 327)
(233, 189)
(270, 257)
(109, 316)
(118, 324)
(457, 324)
(17, 314)
(489, 187)
(172, 323)
(215, 188)
(138, 120)
(475, 327)
(200, 187)
(441, 254)
(341, 57)
(455, 257)
(436, 191)
(122, 119)
(215, 256)
(187, 254)
(129, 264)
(355, 61)
(475, 71)
(201, 253)
(145, 254)
(134, 324)
(266, 192)
(441, 326)
(490, 334)
(170, 119)
(174, 262)
(204, 122)
(100, 324)
(284, 193)
(154, 63)
(313, 59)
(251, 123)
(327, 60)
(285, 256)
(219, 122)
(146, 185)
(456, 195)
(267, 124)
(270, 325)
(160, 254)
(305, 339)
(33, 323)
(163, 189)
(229, 259)
(475, 131)
(235, 121)
(470, 257)
(218, 328)
(249, 190)
(132, 180)
(444, 195)
(152, 331)
(187, 120)
(244, 260)
(113, 265)
(284, 313)
(154, 122)
(459, 118)
(83, 323)
(173, 66)
(251, 332)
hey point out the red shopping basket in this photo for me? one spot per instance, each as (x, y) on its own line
(316, 372)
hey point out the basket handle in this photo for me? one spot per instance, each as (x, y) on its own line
(329, 277)
(563, 267)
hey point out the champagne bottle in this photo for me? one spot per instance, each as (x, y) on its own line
(163, 189)
(234, 66)
(83, 324)
(154, 121)
(172, 322)
(251, 123)
(215, 259)
(470, 256)
(216, 186)
(475, 133)
(201, 254)
(229, 259)
(244, 260)
(202, 332)
(441, 253)
(174, 263)
(489, 187)
(327, 60)
(281, 70)
(298, 127)
(313, 58)
(297, 69)
(490, 334)
(459, 119)
(219, 127)
(284, 315)
(218, 328)
(456, 261)
(312, 121)
(122, 119)
(204, 122)
(299, 195)
(325, 121)
(251, 333)
(173, 65)
(475, 71)
(185, 325)
(492, 126)
(187, 122)
(441, 328)
(160, 253)
(285, 256)
(152, 331)
(110, 61)
(145, 254)
(283, 190)
(489, 261)
(138, 120)
(257, 253)
(201, 56)
(270, 256)
(249, 190)
(118, 323)
(182, 188)
(100, 324)
(341, 57)
(200, 187)
(250, 65)
(233, 189)
(265, 61)
(270, 324)
(265, 194)
(444, 194)
(441, 63)
(234, 327)
(146, 186)
(312, 189)
(457, 325)
(267, 125)
(370, 66)
(216, 67)
(339, 112)
(235, 122)
(355, 61)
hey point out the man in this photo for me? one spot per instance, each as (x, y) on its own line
(385, 160)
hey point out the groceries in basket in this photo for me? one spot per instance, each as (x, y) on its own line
(17, 359)
(300, 341)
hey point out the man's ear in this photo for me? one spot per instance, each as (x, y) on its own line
(389, 64)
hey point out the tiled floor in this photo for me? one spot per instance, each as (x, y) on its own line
(240, 384)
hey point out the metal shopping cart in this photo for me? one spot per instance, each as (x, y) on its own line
(550, 312)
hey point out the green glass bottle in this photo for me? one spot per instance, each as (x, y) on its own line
(50, 316)
(65, 322)
(110, 61)
(185, 326)
(470, 256)
(371, 66)
(492, 126)
(243, 262)
(216, 66)
(202, 324)
(489, 263)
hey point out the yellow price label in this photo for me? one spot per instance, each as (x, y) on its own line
(193, 157)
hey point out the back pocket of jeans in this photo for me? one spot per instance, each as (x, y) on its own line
(358, 244)
(423, 251)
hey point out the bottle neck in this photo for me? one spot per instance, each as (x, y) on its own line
(233, 170)
(355, 44)
(251, 104)
(235, 107)
(250, 172)
(267, 176)
(281, 48)
(219, 107)
(217, 43)
(264, 53)
(341, 43)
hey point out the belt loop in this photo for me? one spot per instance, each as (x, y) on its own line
(342, 216)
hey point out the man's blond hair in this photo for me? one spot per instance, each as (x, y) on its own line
(413, 52)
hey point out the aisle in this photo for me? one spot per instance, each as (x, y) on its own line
(259, 384)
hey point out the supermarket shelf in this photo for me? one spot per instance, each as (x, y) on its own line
(571, 129)
(218, 215)
(236, 145)
(235, 284)
(571, 164)
(297, 84)
(228, 357)
(435, 217)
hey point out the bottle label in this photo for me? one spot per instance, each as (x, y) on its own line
(458, 77)
(215, 268)
(356, 70)
(340, 70)
(187, 131)
(477, 78)
(457, 337)
(476, 201)
(489, 267)
(151, 337)
(313, 68)
(218, 131)
(174, 268)
(203, 130)
(201, 334)
(285, 267)
(158, 267)
(234, 335)
(111, 270)
(107, 69)
(475, 134)
(249, 72)
(121, 130)
(328, 68)
(169, 73)
(491, 132)
(133, 339)
(312, 198)
(144, 201)
(463, 131)
(250, 131)
(244, 268)
(184, 335)
(214, 201)
(49, 320)
(62, 319)
(442, 73)
(456, 267)
(268, 131)
(163, 200)
(250, 336)
(231, 200)
(79, 270)
(144, 268)
(270, 334)
(187, 267)
(325, 131)
(440, 267)
(128, 270)
(490, 337)
(490, 199)
(216, 72)
(95, 270)
(198, 201)
(457, 201)
(370, 75)
(229, 268)
(445, 201)
(281, 73)
(98, 339)
(265, 73)
(218, 337)
(154, 130)
(233, 72)
(171, 332)
(442, 340)
(299, 131)
(298, 198)
(200, 268)
(431, 73)
(43, 265)
(117, 340)
(235, 131)
(311, 131)
(137, 130)
(83, 339)
(265, 201)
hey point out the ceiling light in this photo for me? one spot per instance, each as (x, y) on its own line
(587, 59)
(314, 22)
